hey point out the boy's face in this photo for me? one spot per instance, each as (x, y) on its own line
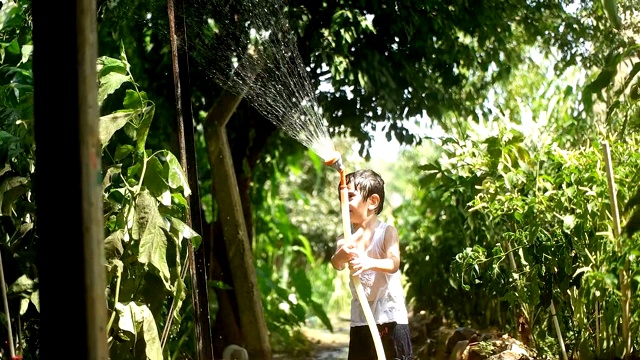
(358, 206)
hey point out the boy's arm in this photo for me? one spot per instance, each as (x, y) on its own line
(340, 258)
(392, 244)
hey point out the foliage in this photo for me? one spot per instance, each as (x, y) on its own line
(507, 230)
(144, 202)
(389, 61)
(145, 212)
(432, 57)
(18, 240)
(283, 253)
(386, 62)
(510, 221)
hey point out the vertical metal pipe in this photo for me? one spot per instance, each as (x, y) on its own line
(195, 258)
(67, 183)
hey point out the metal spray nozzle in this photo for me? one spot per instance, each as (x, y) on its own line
(335, 161)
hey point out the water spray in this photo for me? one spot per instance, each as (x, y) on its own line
(335, 161)
(260, 61)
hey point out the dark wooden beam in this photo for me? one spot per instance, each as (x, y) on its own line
(67, 182)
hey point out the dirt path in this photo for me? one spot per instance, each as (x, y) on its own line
(327, 345)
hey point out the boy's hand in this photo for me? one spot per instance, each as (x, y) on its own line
(342, 256)
(359, 262)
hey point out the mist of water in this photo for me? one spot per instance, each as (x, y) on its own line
(250, 49)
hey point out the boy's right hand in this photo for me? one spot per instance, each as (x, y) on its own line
(343, 255)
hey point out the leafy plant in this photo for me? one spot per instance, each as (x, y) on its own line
(18, 240)
(511, 231)
(284, 254)
(145, 210)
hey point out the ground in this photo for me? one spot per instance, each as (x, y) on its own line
(326, 345)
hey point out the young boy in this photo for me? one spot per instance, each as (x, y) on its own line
(373, 254)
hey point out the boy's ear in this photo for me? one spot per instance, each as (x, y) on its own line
(374, 202)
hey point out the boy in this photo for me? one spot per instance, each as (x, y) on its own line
(373, 254)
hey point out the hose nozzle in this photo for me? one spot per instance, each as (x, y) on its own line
(335, 161)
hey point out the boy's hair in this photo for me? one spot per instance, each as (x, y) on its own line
(367, 182)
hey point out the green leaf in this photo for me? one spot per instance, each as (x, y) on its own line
(184, 231)
(611, 10)
(35, 299)
(143, 129)
(13, 47)
(318, 311)
(22, 285)
(611, 280)
(179, 295)
(122, 151)
(24, 305)
(176, 177)
(148, 227)
(305, 248)
(27, 50)
(154, 177)
(113, 244)
(568, 222)
(134, 100)
(107, 65)
(111, 123)
(10, 190)
(109, 83)
(8, 146)
(108, 175)
(138, 320)
(10, 15)
(178, 199)
(302, 284)
(112, 73)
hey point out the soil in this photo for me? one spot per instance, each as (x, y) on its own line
(326, 345)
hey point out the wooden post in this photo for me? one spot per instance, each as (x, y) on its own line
(67, 182)
(239, 252)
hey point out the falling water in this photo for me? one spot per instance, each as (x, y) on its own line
(250, 50)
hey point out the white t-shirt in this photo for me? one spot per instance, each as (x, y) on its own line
(383, 291)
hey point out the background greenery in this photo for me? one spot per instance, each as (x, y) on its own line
(503, 212)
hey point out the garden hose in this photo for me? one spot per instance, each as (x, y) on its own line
(336, 163)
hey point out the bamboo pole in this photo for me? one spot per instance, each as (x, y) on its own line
(194, 259)
(552, 309)
(597, 311)
(625, 290)
(5, 302)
